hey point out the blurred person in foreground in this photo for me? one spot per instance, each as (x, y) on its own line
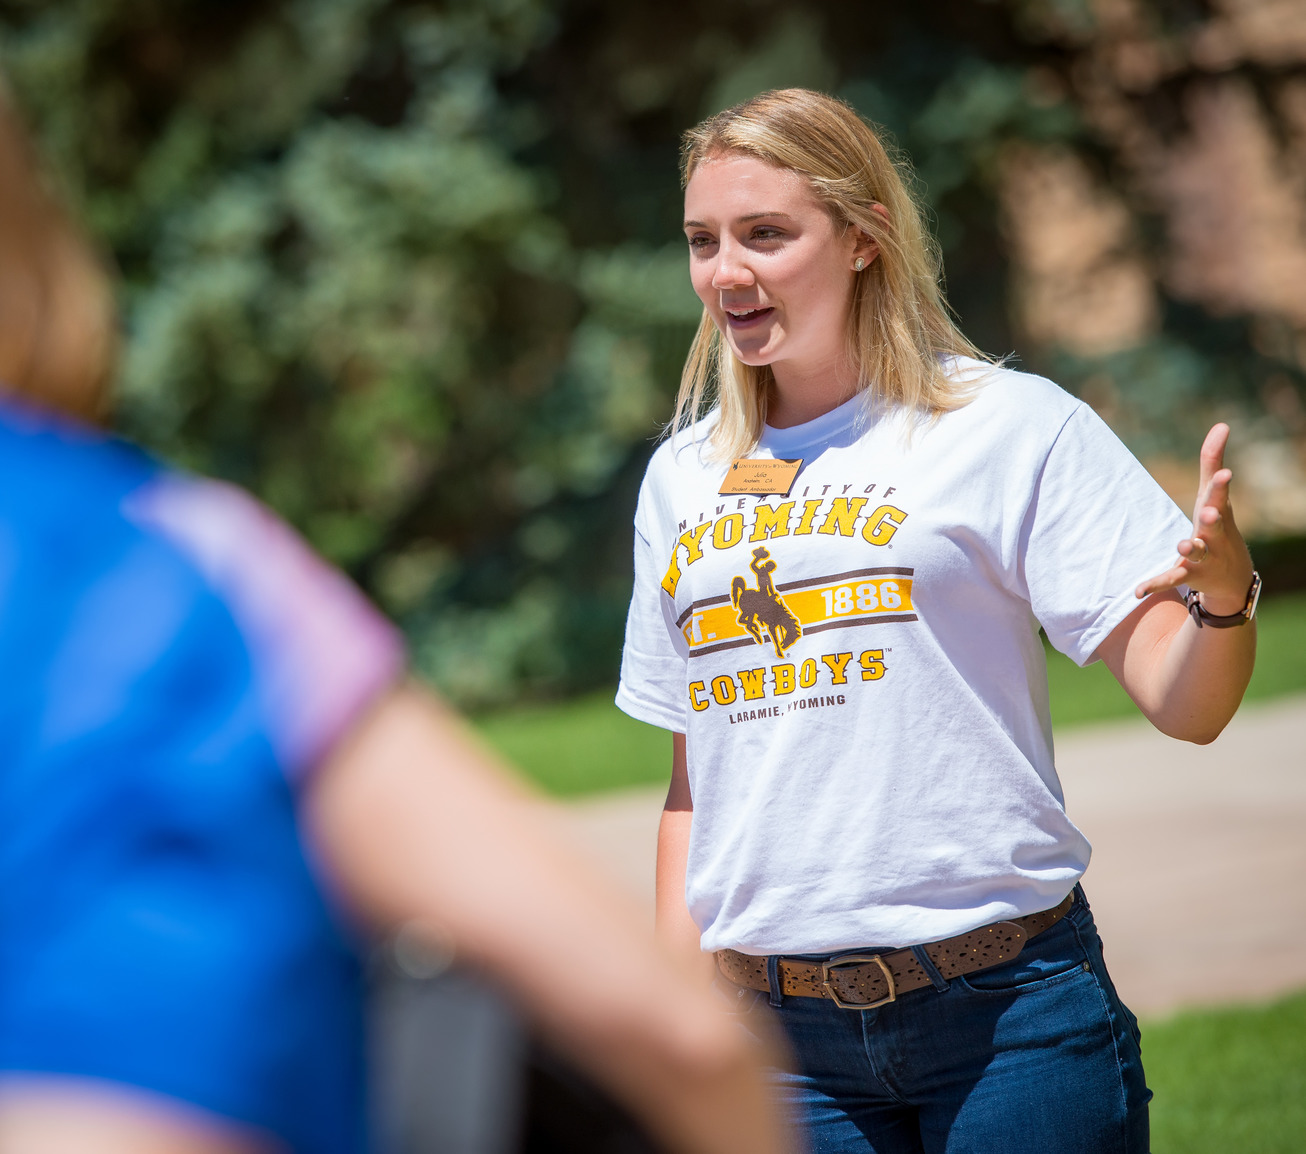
(210, 753)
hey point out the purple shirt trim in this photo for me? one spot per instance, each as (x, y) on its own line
(321, 652)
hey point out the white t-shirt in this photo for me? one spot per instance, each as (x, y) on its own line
(857, 666)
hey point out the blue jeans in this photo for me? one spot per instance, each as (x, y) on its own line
(1034, 1056)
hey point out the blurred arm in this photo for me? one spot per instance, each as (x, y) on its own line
(68, 1115)
(415, 823)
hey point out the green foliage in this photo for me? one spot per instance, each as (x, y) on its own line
(1229, 1079)
(411, 271)
(344, 290)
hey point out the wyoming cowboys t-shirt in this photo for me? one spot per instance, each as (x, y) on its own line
(857, 666)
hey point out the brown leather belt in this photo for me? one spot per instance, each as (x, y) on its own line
(862, 981)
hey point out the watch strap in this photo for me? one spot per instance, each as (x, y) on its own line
(1228, 621)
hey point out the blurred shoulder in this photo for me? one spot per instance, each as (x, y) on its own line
(159, 570)
(51, 465)
(320, 649)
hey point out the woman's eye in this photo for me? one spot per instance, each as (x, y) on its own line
(699, 241)
(767, 233)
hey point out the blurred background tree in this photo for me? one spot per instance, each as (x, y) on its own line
(412, 271)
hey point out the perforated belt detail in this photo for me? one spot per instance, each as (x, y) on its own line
(860, 979)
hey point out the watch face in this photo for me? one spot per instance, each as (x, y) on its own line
(1253, 596)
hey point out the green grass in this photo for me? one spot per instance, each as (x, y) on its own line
(580, 746)
(587, 744)
(1229, 1081)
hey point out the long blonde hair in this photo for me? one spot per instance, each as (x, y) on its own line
(57, 323)
(899, 325)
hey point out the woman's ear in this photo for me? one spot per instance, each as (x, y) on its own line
(865, 248)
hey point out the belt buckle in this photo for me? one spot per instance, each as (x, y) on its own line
(853, 960)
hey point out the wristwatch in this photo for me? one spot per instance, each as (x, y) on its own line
(1244, 615)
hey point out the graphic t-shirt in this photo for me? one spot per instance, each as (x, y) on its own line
(857, 665)
(177, 664)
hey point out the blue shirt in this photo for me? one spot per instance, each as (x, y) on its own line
(174, 664)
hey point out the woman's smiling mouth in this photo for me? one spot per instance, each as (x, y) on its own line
(745, 318)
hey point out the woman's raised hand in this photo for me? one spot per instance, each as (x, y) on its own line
(1215, 559)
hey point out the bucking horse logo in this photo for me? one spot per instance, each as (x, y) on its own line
(763, 606)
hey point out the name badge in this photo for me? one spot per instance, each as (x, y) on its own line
(762, 477)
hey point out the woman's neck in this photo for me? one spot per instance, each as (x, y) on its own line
(799, 395)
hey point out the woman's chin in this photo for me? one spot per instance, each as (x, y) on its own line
(753, 355)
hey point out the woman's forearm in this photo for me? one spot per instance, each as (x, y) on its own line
(1200, 679)
(1187, 681)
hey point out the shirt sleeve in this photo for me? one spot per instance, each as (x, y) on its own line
(652, 687)
(320, 652)
(1098, 525)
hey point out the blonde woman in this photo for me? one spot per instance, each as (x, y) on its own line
(841, 571)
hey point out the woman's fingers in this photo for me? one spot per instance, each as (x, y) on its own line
(1208, 559)
(1215, 493)
(1212, 521)
(1212, 507)
(1197, 554)
(1214, 559)
(1211, 458)
(1170, 579)
(1209, 528)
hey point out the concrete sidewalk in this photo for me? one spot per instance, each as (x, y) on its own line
(1199, 853)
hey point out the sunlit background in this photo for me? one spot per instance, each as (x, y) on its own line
(412, 272)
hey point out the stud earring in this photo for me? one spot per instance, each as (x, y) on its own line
(858, 265)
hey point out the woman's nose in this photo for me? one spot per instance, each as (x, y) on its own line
(731, 268)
